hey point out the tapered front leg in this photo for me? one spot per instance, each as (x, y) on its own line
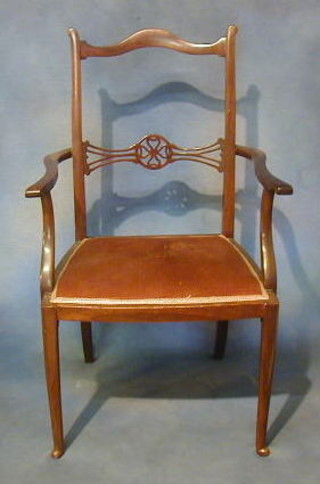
(221, 339)
(267, 362)
(50, 326)
(86, 333)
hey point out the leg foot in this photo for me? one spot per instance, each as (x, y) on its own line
(267, 363)
(50, 329)
(264, 452)
(57, 453)
(86, 333)
(221, 339)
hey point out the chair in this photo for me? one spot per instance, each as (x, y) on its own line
(157, 278)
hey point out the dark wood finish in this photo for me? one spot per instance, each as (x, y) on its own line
(42, 188)
(77, 142)
(47, 273)
(267, 363)
(50, 328)
(268, 260)
(153, 38)
(271, 186)
(221, 339)
(86, 333)
(48, 180)
(154, 152)
(267, 180)
(263, 304)
(230, 134)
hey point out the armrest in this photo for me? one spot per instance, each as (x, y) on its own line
(271, 186)
(48, 180)
(267, 180)
(42, 188)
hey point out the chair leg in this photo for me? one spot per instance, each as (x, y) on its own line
(221, 339)
(86, 333)
(267, 363)
(50, 327)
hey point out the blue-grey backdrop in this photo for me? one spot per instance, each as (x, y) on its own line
(279, 105)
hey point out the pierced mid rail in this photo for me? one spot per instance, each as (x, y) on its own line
(153, 152)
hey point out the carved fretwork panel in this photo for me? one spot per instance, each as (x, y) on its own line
(153, 152)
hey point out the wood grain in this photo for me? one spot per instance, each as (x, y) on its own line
(153, 38)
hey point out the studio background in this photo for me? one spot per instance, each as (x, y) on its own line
(154, 403)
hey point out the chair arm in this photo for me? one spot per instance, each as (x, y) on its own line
(267, 180)
(271, 186)
(48, 180)
(42, 188)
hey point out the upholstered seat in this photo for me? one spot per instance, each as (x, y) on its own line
(162, 269)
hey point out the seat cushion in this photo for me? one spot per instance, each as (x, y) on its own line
(204, 269)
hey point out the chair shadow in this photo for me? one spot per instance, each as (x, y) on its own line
(166, 375)
(187, 375)
(192, 375)
(295, 362)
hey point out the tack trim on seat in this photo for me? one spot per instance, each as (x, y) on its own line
(176, 301)
(161, 301)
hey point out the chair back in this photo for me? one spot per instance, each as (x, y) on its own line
(154, 151)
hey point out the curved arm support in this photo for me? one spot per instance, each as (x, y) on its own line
(42, 188)
(48, 180)
(268, 259)
(267, 180)
(47, 271)
(271, 186)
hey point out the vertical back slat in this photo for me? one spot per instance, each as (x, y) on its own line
(230, 135)
(77, 144)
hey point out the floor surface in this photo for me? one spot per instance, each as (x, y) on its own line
(156, 409)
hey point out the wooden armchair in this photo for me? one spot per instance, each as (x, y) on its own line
(157, 278)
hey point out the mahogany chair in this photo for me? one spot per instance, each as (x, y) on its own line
(158, 278)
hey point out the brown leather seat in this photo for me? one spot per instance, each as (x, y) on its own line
(170, 270)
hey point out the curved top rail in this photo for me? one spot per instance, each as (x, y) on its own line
(152, 38)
